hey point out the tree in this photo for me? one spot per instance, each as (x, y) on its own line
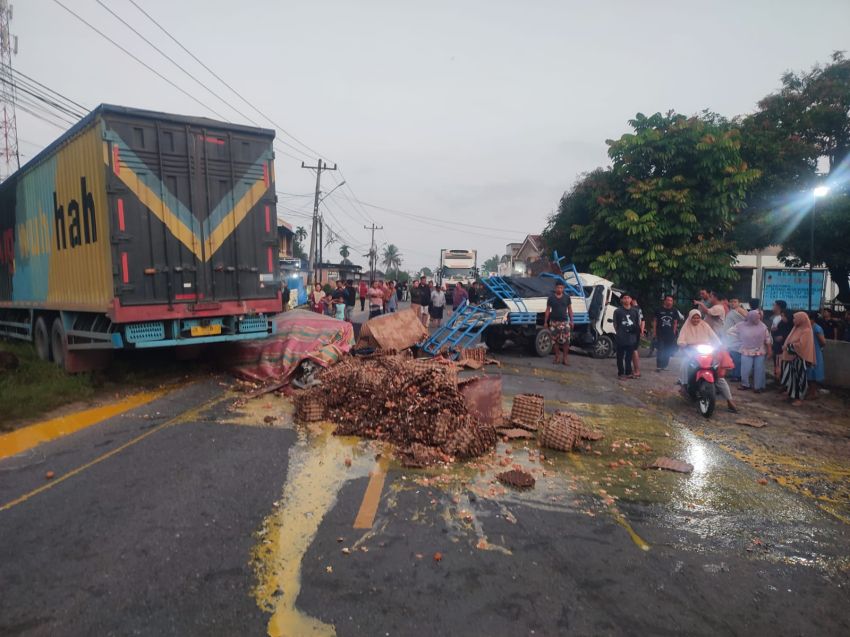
(491, 264)
(399, 276)
(426, 272)
(391, 257)
(344, 252)
(298, 243)
(807, 120)
(576, 209)
(663, 213)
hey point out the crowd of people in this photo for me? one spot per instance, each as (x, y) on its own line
(433, 303)
(746, 341)
(339, 301)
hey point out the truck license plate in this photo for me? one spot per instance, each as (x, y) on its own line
(206, 330)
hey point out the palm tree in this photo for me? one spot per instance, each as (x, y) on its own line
(344, 251)
(298, 245)
(392, 257)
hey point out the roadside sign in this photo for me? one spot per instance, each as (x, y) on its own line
(792, 286)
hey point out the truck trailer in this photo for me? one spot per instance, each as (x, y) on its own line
(139, 229)
(457, 266)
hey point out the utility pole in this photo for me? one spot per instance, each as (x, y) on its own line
(373, 253)
(312, 256)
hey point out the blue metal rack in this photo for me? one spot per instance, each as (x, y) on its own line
(465, 325)
(501, 289)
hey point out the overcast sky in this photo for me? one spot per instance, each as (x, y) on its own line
(478, 112)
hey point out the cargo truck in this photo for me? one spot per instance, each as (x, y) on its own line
(139, 229)
(457, 266)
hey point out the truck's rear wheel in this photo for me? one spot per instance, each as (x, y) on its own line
(76, 361)
(58, 342)
(41, 339)
(543, 343)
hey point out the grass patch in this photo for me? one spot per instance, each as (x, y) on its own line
(37, 386)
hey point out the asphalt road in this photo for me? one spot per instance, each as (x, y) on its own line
(185, 517)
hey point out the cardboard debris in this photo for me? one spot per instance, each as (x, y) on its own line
(483, 397)
(751, 422)
(396, 331)
(669, 464)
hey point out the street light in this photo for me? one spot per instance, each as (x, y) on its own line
(819, 192)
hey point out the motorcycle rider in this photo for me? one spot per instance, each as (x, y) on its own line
(695, 332)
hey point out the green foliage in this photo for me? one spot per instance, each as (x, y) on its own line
(662, 214)
(391, 257)
(344, 252)
(37, 386)
(426, 272)
(491, 264)
(807, 119)
(399, 276)
(298, 243)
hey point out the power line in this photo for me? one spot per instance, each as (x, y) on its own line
(137, 59)
(24, 109)
(41, 98)
(229, 87)
(321, 166)
(188, 74)
(50, 90)
(153, 70)
(431, 219)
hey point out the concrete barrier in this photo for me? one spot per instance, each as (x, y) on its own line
(836, 358)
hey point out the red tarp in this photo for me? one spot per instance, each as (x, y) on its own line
(300, 335)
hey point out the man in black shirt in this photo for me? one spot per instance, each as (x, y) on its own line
(627, 327)
(350, 300)
(667, 322)
(424, 300)
(559, 320)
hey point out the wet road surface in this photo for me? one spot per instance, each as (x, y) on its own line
(217, 523)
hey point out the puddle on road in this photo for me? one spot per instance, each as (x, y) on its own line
(720, 500)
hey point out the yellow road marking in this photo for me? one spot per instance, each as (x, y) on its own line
(369, 506)
(177, 419)
(28, 437)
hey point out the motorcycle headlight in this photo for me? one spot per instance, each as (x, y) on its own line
(705, 349)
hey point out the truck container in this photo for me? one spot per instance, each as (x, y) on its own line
(457, 266)
(138, 229)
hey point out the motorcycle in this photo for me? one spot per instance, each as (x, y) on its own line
(702, 374)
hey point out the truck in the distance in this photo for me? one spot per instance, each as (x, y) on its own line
(458, 266)
(138, 229)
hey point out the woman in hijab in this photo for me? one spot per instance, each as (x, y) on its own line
(816, 374)
(754, 341)
(695, 332)
(798, 353)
